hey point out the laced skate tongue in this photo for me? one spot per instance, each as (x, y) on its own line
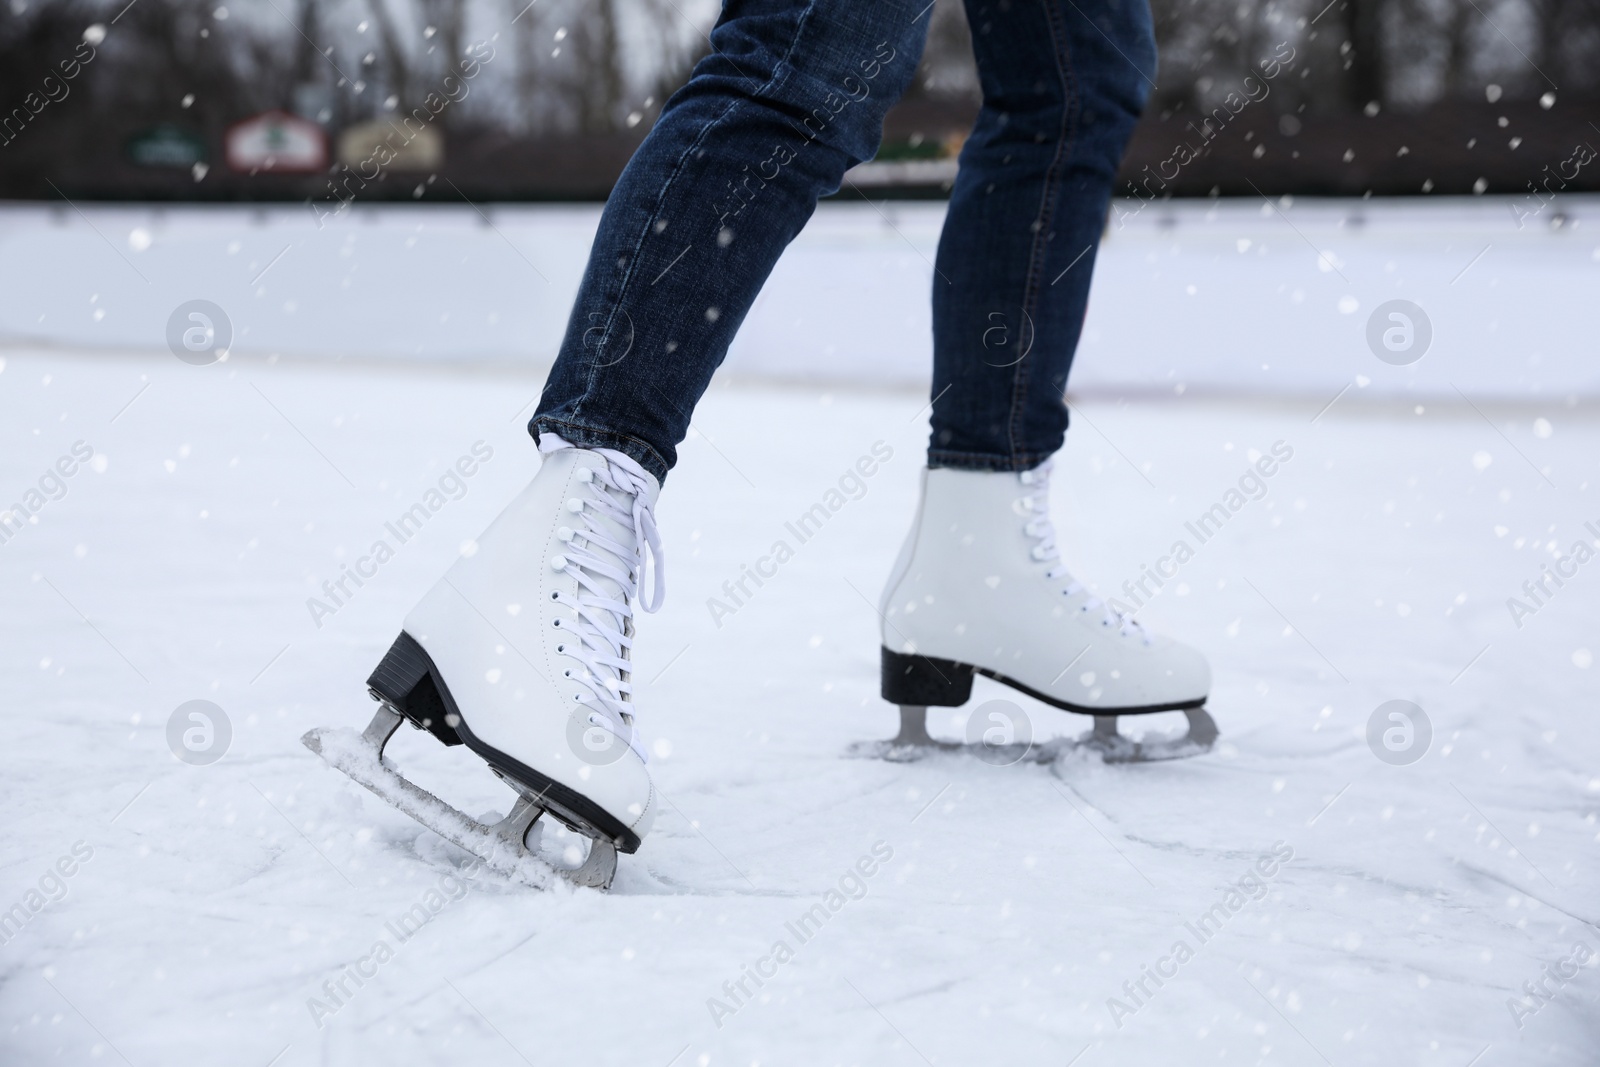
(1043, 532)
(611, 534)
(626, 519)
(610, 528)
(611, 516)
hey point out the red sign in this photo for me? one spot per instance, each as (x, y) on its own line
(278, 142)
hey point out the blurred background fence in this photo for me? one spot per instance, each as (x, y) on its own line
(274, 99)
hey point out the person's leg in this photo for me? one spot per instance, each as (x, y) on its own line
(1063, 82)
(792, 95)
(979, 587)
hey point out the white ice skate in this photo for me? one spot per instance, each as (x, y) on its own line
(522, 652)
(978, 588)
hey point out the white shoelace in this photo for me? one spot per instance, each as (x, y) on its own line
(602, 633)
(1042, 530)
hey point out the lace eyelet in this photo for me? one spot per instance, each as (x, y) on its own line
(555, 596)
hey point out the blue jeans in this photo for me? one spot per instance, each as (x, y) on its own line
(792, 95)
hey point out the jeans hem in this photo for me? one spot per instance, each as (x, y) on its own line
(581, 436)
(983, 461)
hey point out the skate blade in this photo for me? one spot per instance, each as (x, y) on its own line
(898, 751)
(502, 846)
(1114, 748)
(914, 743)
(911, 744)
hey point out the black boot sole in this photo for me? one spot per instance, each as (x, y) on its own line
(408, 681)
(911, 680)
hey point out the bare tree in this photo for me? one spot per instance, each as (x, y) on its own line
(1365, 75)
(595, 41)
(307, 60)
(396, 65)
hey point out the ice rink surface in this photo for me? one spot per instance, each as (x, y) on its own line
(1332, 908)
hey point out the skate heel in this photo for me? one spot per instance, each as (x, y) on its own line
(404, 681)
(925, 681)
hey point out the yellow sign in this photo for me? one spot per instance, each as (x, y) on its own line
(401, 143)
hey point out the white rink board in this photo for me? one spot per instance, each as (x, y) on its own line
(1236, 296)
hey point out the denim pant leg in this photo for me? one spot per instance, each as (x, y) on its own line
(793, 94)
(1063, 83)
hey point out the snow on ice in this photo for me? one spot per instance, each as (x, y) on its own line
(1291, 897)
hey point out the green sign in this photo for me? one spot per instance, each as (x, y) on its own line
(167, 146)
